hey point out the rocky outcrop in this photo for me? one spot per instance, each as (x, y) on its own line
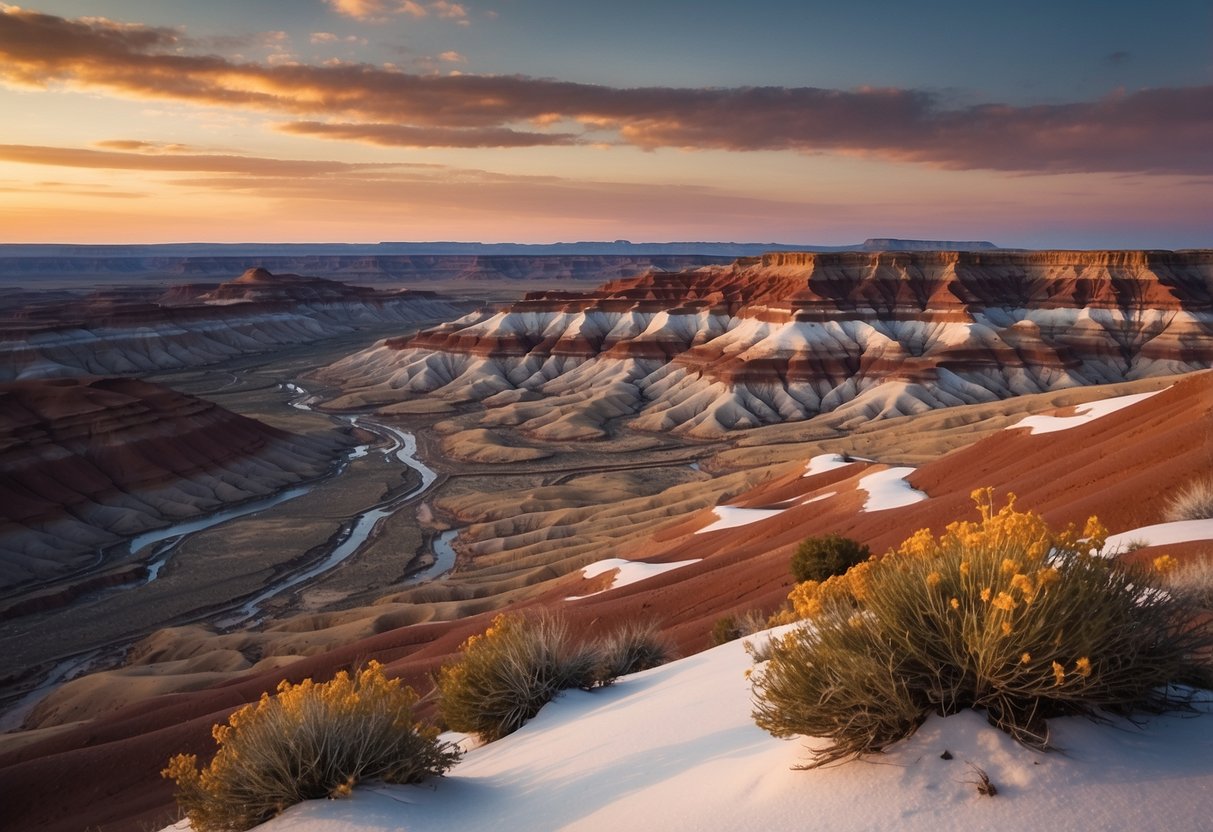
(88, 463)
(791, 335)
(137, 330)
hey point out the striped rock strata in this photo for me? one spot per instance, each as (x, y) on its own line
(790, 335)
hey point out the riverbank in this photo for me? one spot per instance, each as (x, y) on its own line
(266, 559)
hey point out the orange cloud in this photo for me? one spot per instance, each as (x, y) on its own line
(383, 9)
(1155, 131)
(400, 135)
(73, 157)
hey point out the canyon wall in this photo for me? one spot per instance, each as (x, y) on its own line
(790, 335)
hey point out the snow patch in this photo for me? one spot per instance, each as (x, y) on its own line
(1083, 414)
(630, 572)
(675, 748)
(889, 489)
(1162, 534)
(730, 517)
(825, 462)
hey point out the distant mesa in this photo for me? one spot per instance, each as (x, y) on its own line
(791, 335)
(896, 244)
(126, 330)
(586, 261)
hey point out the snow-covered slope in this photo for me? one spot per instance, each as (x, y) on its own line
(674, 749)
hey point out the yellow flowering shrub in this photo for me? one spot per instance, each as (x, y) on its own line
(1164, 564)
(1002, 614)
(305, 742)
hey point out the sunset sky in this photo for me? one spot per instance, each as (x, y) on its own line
(1037, 124)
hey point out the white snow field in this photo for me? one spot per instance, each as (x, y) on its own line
(674, 748)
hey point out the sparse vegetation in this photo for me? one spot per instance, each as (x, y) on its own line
(505, 675)
(820, 558)
(632, 648)
(760, 650)
(1192, 502)
(724, 630)
(732, 627)
(1003, 615)
(1192, 580)
(308, 741)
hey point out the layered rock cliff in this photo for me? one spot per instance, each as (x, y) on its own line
(791, 335)
(87, 463)
(124, 330)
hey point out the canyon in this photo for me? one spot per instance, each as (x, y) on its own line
(91, 462)
(653, 449)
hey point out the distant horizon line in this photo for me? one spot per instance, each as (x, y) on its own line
(707, 248)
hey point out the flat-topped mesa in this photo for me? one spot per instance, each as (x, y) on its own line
(790, 335)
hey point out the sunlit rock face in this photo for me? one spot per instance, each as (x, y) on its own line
(120, 331)
(790, 335)
(89, 462)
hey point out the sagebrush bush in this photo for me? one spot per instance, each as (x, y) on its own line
(505, 675)
(819, 558)
(634, 647)
(1193, 502)
(1003, 615)
(308, 741)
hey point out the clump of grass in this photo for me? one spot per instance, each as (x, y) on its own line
(1193, 502)
(1192, 580)
(760, 650)
(732, 627)
(632, 648)
(1003, 615)
(308, 741)
(503, 676)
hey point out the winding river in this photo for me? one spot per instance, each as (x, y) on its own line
(401, 446)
